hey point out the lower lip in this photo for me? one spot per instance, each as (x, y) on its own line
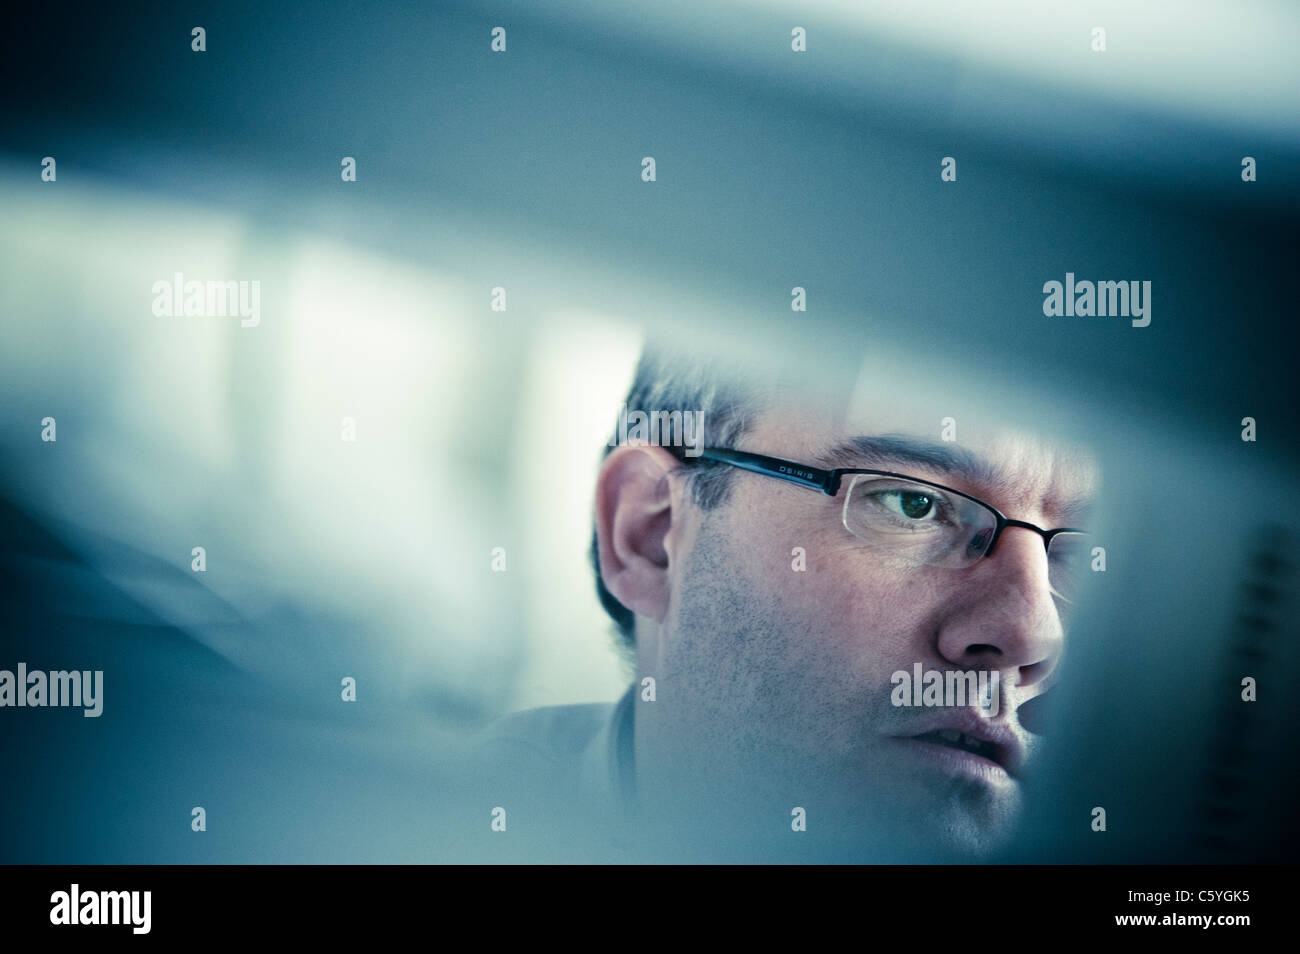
(957, 761)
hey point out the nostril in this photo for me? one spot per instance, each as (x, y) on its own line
(1034, 714)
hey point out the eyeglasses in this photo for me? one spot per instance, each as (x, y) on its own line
(919, 523)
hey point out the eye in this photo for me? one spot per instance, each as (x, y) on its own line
(912, 504)
(894, 506)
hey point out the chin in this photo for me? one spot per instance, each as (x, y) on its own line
(922, 820)
(966, 826)
(967, 839)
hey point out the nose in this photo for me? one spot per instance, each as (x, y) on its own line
(1005, 617)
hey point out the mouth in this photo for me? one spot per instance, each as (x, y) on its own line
(971, 746)
(962, 742)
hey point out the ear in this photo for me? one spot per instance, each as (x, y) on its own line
(635, 509)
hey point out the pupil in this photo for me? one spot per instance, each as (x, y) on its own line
(915, 505)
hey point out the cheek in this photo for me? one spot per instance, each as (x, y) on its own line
(861, 613)
(872, 613)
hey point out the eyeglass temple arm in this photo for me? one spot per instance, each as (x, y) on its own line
(827, 481)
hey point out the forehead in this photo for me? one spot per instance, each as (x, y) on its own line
(991, 453)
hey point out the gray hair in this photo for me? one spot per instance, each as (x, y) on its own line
(668, 380)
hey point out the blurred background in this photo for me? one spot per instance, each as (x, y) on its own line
(479, 428)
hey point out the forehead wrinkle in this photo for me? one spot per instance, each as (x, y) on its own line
(1058, 480)
(1073, 484)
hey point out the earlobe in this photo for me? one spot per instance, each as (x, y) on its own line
(634, 514)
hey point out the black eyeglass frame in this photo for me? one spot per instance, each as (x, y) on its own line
(828, 482)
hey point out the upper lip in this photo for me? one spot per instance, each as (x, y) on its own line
(1009, 749)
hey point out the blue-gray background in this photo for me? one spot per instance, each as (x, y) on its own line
(480, 429)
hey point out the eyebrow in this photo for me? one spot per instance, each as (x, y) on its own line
(890, 449)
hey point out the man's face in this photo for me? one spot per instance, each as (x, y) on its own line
(776, 656)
